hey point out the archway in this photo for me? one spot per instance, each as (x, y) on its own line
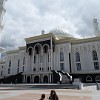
(37, 48)
(45, 79)
(45, 48)
(36, 79)
(97, 78)
(30, 49)
(88, 79)
(28, 79)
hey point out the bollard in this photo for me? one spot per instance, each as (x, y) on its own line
(98, 86)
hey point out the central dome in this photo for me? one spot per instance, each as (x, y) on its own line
(60, 33)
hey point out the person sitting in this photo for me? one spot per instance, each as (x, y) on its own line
(53, 95)
(42, 97)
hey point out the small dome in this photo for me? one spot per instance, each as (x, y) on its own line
(60, 33)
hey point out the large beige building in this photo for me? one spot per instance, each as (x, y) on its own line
(47, 58)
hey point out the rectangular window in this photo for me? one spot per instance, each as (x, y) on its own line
(77, 57)
(78, 66)
(23, 68)
(48, 57)
(96, 65)
(18, 70)
(1, 73)
(34, 59)
(8, 70)
(61, 66)
(61, 56)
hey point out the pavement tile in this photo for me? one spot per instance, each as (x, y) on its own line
(32, 96)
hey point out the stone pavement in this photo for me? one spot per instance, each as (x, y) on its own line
(88, 93)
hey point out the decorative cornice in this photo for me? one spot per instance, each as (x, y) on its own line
(78, 41)
(65, 40)
(22, 48)
(12, 52)
(40, 37)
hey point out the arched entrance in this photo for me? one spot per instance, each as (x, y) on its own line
(28, 79)
(45, 79)
(36, 79)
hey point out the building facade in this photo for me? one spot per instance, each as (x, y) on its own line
(57, 52)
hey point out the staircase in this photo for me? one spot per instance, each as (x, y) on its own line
(12, 79)
(65, 77)
(61, 76)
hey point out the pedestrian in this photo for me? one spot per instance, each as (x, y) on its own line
(53, 95)
(42, 97)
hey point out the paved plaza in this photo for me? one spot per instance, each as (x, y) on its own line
(88, 93)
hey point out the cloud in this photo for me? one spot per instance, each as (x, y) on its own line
(25, 18)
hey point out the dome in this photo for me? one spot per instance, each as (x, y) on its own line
(60, 33)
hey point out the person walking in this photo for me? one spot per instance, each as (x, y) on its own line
(42, 97)
(53, 95)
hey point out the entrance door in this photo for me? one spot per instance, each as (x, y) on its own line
(28, 79)
(36, 79)
(45, 79)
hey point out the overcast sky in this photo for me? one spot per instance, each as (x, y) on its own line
(25, 18)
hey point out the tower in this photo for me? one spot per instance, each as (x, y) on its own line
(2, 10)
(96, 27)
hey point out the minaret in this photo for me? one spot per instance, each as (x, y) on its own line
(43, 32)
(96, 28)
(2, 10)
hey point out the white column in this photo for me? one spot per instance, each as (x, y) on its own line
(32, 67)
(50, 78)
(23, 79)
(42, 64)
(49, 60)
(27, 62)
(51, 53)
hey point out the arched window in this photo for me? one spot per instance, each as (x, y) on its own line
(45, 49)
(30, 51)
(61, 56)
(37, 49)
(77, 57)
(24, 61)
(10, 63)
(94, 54)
